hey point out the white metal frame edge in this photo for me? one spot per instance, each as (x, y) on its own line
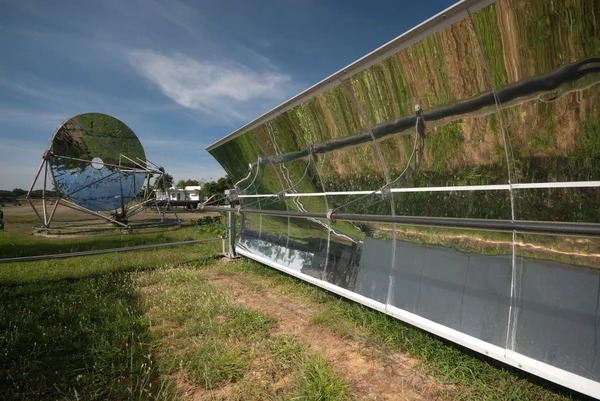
(512, 358)
(527, 364)
(499, 187)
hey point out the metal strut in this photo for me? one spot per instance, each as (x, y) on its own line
(404, 180)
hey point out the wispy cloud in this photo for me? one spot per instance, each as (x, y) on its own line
(226, 89)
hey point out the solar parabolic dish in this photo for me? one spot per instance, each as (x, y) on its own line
(507, 128)
(94, 160)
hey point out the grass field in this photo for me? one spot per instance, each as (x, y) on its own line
(180, 323)
(17, 240)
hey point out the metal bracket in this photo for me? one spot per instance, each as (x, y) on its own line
(386, 191)
(232, 195)
(311, 151)
(331, 215)
(282, 196)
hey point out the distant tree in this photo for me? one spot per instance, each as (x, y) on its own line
(158, 183)
(187, 183)
(37, 194)
(217, 187)
(18, 192)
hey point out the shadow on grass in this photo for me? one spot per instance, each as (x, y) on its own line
(77, 339)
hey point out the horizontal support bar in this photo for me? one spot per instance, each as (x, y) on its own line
(499, 187)
(566, 184)
(543, 227)
(102, 251)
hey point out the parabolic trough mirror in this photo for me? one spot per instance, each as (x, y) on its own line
(472, 145)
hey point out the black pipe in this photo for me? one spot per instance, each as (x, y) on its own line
(542, 227)
(536, 85)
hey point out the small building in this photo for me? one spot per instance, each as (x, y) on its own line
(177, 194)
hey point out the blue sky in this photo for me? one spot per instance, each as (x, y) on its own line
(181, 74)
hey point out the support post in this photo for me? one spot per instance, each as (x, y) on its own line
(44, 206)
(231, 235)
(168, 196)
(44, 164)
(53, 211)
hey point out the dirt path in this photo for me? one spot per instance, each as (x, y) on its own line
(371, 373)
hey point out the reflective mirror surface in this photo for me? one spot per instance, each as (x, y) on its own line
(490, 111)
(94, 160)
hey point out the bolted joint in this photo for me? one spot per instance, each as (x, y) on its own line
(282, 196)
(331, 215)
(386, 192)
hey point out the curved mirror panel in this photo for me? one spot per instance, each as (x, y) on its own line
(94, 160)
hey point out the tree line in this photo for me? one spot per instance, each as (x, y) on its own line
(18, 192)
(209, 188)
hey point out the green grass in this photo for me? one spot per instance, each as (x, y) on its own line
(319, 383)
(85, 266)
(213, 342)
(285, 351)
(84, 339)
(17, 245)
(76, 328)
(210, 363)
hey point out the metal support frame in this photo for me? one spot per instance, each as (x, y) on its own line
(543, 227)
(45, 217)
(231, 217)
(43, 166)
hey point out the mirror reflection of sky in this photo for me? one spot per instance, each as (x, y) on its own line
(288, 257)
(98, 189)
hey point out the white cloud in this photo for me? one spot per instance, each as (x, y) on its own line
(226, 89)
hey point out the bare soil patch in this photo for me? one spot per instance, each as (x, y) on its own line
(373, 374)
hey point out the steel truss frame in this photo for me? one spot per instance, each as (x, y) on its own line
(46, 216)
